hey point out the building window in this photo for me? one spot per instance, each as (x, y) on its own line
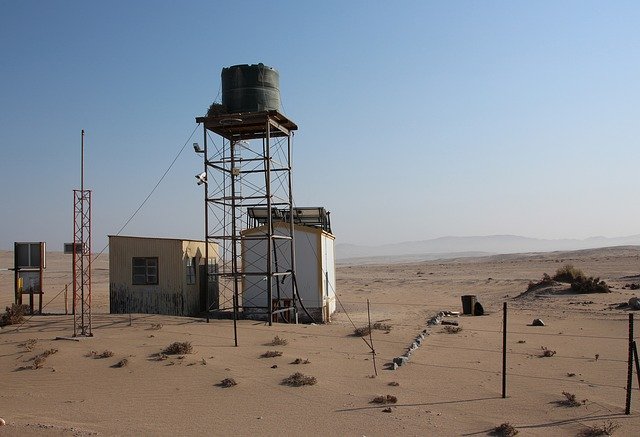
(145, 271)
(191, 271)
(212, 269)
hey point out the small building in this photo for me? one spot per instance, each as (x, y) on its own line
(315, 265)
(160, 276)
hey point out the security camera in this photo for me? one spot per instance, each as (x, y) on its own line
(197, 149)
(202, 178)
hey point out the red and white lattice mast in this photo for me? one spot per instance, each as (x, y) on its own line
(82, 256)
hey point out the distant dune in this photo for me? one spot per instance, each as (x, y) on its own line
(453, 247)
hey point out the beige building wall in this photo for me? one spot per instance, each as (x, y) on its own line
(172, 294)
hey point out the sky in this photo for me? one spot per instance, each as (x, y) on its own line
(417, 119)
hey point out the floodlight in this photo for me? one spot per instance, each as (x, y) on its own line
(202, 178)
(197, 149)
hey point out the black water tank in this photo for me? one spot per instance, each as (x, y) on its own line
(250, 88)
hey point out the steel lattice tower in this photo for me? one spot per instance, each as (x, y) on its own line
(248, 168)
(82, 257)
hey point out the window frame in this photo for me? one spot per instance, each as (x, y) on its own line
(144, 267)
(190, 270)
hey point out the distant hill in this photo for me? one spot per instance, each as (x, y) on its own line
(449, 247)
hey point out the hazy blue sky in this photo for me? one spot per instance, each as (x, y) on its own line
(418, 119)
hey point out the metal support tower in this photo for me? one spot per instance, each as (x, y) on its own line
(248, 167)
(82, 256)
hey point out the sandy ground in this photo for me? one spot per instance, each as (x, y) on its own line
(451, 385)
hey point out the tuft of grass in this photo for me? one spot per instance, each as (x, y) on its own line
(546, 280)
(388, 399)
(228, 382)
(96, 355)
(606, 428)
(122, 363)
(570, 400)
(569, 274)
(277, 341)
(14, 315)
(590, 285)
(504, 430)
(30, 344)
(300, 361)
(382, 326)
(298, 380)
(362, 331)
(271, 354)
(178, 348)
(546, 352)
(39, 360)
(451, 329)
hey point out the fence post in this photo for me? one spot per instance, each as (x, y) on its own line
(504, 350)
(627, 410)
(635, 358)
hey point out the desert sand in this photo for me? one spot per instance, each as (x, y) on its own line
(451, 386)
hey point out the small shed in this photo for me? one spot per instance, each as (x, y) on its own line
(161, 276)
(315, 270)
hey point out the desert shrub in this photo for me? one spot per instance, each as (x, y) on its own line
(568, 273)
(178, 348)
(300, 361)
(388, 399)
(155, 326)
(607, 428)
(394, 384)
(122, 363)
(38, 360)
(504, 430)
(362, 331)
(546, 353)
(14, 315)
(298, 380)
(228, 382)
(382, 326)
(546, 280)
(29, 344)
(105, 354)
(277, 341)
(570, 400)
(590, 285)
(271, 354)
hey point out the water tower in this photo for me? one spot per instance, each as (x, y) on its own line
(247, 171)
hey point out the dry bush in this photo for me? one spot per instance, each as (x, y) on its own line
(504, 430)
(546, 280)
(451, 329)
(155, 326)
(38, 360)
(388, 399)
(14, 315)
(228, 382)
(96, 355)
(298, 380)
(271, 354)
(546, 352)
(362, 331)
(300, 361)
(570, 274)
(30, 344)
(607, 428)
(122, 363)
(277, 341)
(382, 326)
(178, 348)
(394, 384)
(570, 400)
(590, 285)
